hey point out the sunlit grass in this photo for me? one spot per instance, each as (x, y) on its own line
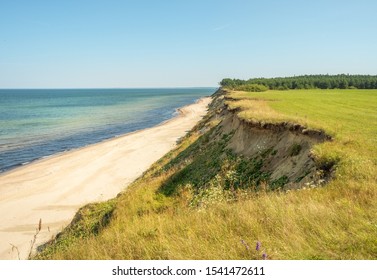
(350, 116)
(339, 112)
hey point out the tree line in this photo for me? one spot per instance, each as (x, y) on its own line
(341, 81)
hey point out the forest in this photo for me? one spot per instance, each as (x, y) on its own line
(341, 81)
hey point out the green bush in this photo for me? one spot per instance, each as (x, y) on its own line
(252, 88)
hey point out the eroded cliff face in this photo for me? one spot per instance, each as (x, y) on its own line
(284, 149)
(223, 159)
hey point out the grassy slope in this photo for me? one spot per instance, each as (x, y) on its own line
(338, 221)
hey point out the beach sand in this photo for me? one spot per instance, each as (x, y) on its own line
(54, 188)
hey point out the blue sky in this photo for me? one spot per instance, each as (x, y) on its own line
(74, 44)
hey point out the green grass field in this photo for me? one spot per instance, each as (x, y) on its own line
(336, 221)
(350, 116)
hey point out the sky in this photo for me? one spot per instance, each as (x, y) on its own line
(166, 43)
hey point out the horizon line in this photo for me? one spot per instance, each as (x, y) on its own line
(167, 87)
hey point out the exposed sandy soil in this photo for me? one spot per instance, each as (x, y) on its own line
(53, 189)
(251, 140)
(287, 147)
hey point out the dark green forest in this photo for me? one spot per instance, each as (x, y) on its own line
(341, 81)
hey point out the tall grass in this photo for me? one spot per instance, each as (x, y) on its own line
(337, 221)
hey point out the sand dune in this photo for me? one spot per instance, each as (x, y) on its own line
(53, 189)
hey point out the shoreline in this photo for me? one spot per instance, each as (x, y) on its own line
(55, 187)
(177, 112)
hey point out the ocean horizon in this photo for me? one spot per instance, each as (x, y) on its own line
(38, 123)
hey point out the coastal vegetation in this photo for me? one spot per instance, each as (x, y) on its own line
(303, 82)
(218, 196)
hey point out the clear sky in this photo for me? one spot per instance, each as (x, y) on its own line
(140, 43)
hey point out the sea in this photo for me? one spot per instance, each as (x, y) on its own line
(38, 123)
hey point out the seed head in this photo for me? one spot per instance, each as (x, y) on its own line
(245, 244)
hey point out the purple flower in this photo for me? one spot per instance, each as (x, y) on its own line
(258, 246)
(264, 256)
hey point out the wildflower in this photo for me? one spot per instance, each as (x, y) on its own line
(264, 256)
(258, 246)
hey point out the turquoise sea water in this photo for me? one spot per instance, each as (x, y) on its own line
(41, 122)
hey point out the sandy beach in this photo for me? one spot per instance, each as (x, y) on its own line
(54, 188)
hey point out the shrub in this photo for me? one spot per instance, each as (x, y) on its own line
(295, 149)
(252, 88)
